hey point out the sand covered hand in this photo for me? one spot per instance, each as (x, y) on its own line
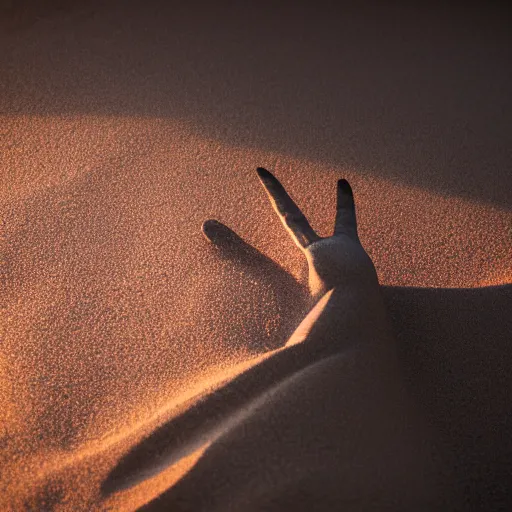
(336, 261)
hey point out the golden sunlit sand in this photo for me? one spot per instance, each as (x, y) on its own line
(97, 335)
(117, 316)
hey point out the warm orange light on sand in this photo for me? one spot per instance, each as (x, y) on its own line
(115, 306)
(125, 125)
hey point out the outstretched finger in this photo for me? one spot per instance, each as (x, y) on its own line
(289, 213)
(345, 210)
(231, 245)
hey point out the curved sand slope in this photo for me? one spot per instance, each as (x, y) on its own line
(125, 128)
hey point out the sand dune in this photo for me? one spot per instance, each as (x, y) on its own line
(116, 314)
(101, 347)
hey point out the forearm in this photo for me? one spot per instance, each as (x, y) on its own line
(345, 318)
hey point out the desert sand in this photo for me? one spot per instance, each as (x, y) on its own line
(125, 125)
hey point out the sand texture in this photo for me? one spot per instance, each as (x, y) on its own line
(125, 125)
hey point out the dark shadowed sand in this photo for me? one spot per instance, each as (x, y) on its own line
(124, 127)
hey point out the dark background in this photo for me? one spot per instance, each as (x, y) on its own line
(419, 94)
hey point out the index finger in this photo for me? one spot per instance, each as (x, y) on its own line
(289, 213)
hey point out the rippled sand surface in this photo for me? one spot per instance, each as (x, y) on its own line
(123, 129)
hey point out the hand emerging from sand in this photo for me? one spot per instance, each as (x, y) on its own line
(338, 261)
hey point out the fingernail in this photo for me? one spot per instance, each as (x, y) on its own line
(344, 186)
(263, 173)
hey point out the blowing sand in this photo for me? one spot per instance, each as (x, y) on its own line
(116, 313)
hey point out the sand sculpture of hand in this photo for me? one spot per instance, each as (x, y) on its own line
(335, 261)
